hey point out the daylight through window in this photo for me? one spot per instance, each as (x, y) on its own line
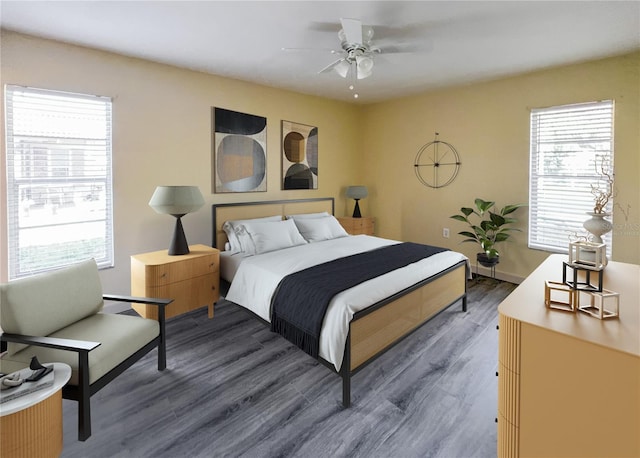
(571, 147)
(59, 198)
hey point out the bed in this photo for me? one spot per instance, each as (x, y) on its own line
(361, 322)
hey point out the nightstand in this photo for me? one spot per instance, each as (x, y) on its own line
(191, 280)
(355, 226)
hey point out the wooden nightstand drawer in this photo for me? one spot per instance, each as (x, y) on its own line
(355, 226)
(191, 280)
(187, 294)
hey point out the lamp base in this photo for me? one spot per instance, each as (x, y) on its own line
(356, 210)
(179, 244)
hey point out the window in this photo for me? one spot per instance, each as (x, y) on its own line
(59, 198)
(571, 146)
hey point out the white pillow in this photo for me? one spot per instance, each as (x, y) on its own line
(308, 215)
(271, 235)
(229, 227)
(319, 229)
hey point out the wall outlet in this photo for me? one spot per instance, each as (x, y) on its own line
(445, 232)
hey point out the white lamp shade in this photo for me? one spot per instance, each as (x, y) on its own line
(365, 66)
(342, 68)
(357, 192)
(176, 200)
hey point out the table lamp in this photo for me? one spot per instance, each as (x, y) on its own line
(177, 201)
(357, 193)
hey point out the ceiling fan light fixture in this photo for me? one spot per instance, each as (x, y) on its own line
(365, 66)
(342, 68)
(367, 34)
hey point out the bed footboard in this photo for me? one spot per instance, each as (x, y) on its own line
(377, 328)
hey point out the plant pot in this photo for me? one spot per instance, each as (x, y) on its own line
(485, 261)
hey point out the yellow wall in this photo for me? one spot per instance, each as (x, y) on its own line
(488, 124)
(162, 135)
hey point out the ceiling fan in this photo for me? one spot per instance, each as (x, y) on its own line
(357, 52)
(357, 55)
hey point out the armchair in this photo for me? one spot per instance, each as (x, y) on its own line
(57, 316)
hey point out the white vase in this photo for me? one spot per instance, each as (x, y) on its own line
(597, 225)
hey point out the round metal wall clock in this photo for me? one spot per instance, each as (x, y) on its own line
(437, 163)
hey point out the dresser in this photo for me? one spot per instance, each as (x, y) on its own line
(191, 280)
(569, 383)
(355, 226)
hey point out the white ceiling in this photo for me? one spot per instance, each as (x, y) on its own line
(453, 42)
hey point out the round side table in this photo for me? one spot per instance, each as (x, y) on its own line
(31, 425)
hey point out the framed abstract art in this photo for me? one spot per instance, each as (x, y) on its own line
(239, 151)
(299, 156)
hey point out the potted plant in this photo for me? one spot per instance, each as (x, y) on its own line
(487, 228)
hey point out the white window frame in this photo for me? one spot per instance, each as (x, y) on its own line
(570, 146)
(60, 203)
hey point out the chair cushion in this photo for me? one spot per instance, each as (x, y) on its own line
(45, 303)
(120, 337)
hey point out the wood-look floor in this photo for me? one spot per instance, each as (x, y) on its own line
(233, 388)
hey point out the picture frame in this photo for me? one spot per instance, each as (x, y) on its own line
(299, 145)
(239, 162)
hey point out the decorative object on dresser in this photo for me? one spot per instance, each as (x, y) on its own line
(568, 385)
(357, 193)
(51, 315)
(597, 226)
(192, 280)
(177, 201)
(355, 226)
(299, 156)
(585, 258)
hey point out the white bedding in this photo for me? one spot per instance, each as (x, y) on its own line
(229, 264)
(258, 276)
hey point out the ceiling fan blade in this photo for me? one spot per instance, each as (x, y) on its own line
(352, 30)
(330, 67)
(323, 50)
(400, 48)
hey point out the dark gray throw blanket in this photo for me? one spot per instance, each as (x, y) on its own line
(301, 299)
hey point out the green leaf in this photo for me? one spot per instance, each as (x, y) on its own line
(483, 205)
(488, 225)
(460, 218)
(510, 208)
(466, 210)
(497, 219)
(468, 234)
(492, 253)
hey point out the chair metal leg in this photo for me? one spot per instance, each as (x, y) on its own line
(84, 402)
(162, 345)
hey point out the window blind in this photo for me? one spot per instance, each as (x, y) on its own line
(59, 186)
(571, 146)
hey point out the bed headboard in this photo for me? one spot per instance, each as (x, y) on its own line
(247, 210)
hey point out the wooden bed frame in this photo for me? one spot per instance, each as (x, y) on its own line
(376, 329)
